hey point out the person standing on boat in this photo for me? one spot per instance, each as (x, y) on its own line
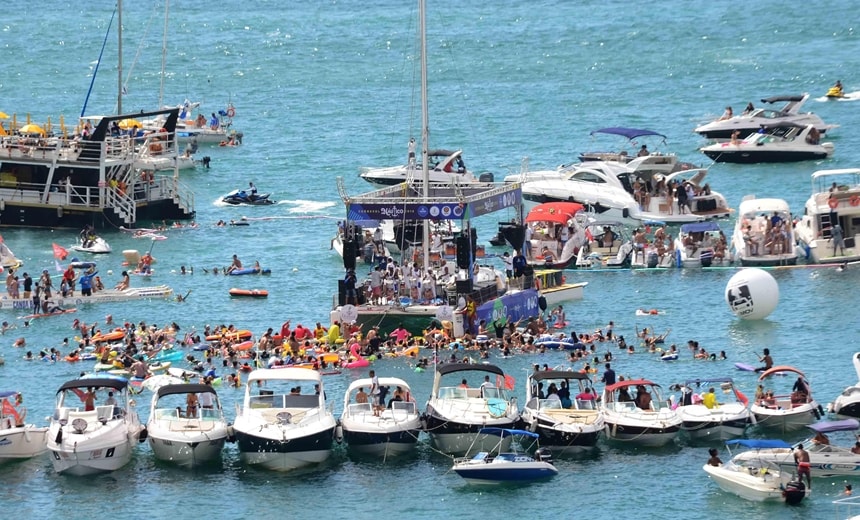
(749, 109)
(643, 152)
(411, 151)
(801, 458)
(608, 375)
(213, 122)
(86, 281)
(836, 236)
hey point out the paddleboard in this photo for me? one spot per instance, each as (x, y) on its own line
(745, 367)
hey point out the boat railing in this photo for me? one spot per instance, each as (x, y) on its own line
(175, 189)
(401, 410)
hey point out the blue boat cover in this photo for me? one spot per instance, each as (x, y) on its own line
(629, 133)
(505, 432)
(8, 393)
(759, 443)
(846, 425)
(699, 227)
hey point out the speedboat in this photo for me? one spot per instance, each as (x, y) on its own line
(782, 143)
(721, 421)
(283, 424)
(746, 124)
(92, 244)
(764, 233)
(697, 245)
(547, 222)
(615, 191)
(393, 431)
(456, 413)
(835, 200)
(566, 423)
(608, 246)
(825, 459)
(18, 440)
(444, 166)
(847, 404)
(182, 433)
(757, 479)
(485, 467)
(786, 412)
(100, 439)
(642, 421)
(237, 197)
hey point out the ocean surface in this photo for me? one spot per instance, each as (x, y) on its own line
(322, 88)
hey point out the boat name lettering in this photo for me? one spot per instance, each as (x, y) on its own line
(22, 304)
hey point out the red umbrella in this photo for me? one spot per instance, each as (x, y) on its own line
(557, 212)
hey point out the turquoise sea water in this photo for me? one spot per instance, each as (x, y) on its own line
(323, 88)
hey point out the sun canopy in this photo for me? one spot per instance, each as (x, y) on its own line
(95, 382)
(7, 393)
(461, 367)
(777, 99)
(630, 382)
(759, 443)
(629, 133)
(780, 368)
(185, 389)
(556, 212)
(699, 227)
(847, 425)
(558, 374)
(507, 432)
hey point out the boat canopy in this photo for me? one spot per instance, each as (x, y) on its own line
(461, 367)
(95, 382)
(705, 380)
(847, 425)
(184, 389)
(556, 212)
(507, 432)
(629, 382)
(558, 374)
(283, 374)
(7, 393)
(629, 133)
(699, 227)
(778, 99)
(442, 153)
(780, 368)
(759, 443)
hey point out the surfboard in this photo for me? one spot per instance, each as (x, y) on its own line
(745, 367)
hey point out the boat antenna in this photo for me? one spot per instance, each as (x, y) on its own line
(96, 70)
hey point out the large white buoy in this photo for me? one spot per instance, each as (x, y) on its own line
(752, 294)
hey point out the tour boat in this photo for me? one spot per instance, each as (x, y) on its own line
(725, 420)
(757, 479)
(651, 424)
(786, 412)
(835, 200)
(392, 431)
(500, 466)
(566, 424)
(283, 423)
(85, 442)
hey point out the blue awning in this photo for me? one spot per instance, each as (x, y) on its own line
(846, 425)
(759, 443)
(629, 133)
(700, 227)
(505, 432)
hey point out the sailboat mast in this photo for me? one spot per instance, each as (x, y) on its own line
(163, 54)
(425, 128)
(119, 59)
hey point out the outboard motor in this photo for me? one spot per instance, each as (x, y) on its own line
(486, 177)
(706, 257)
(653, 260)
(543, 455)
(794, 492)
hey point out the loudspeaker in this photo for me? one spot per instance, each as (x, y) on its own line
(341, 292)
(350, 251)
(464, 253)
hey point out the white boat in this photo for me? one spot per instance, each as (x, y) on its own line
(757, 479)
(456, 413)
(547, 222)
(657, 162)
(18, 440)
(639, 421)
(445, 167)
(555, 289)
(725, 419)
(393, 431)
(501, 467)
(786, 412)
(764, 233)
(613, 191)
(697, 244)
(835, 200)
(847, 404)
(186, 435)
(565, 423)
(280, 428)
(746, 124)
(92, 244)
(825, 460)
(783, 143)
(608, 246)
(86, 442)
(7, 258)
(105, 296)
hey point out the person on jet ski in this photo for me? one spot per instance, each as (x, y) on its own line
(253, 190)
(87, 236)
(837, 87)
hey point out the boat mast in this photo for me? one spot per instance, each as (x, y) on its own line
(163, 54)
(119, 59)
(425, 130)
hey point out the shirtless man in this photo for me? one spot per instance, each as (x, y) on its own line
(237, 264)
(801, 458)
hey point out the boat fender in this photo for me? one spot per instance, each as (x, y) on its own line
(59, 438)
(542, 303)
(143, 435)
(231, 433)
(533, 426)
(854, 200)
(833, 203)
(338, 434)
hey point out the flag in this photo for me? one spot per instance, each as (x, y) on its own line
(9, 410)
(58, 266)
(509, 382)
(588, 235)
(60, 252)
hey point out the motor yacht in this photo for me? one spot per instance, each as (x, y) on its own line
(774, 144)
(725, 418)
(94, 427)
(640, 420)
(444, 166)
(786, 411)
(764, 233)
(283, 424)
(835, 200)
(745, 124)
(558, 410)
(186, 425)
(391, 431)
(458, 409)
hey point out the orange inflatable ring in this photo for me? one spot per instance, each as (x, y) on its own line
(110, 336)
(854, 200)
(833, 203)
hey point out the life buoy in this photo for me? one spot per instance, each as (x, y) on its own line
(854, 200)
(162, 130)
(231, 112)
(833, 203)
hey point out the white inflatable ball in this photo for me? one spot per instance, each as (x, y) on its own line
(752, 294)
(110, 272)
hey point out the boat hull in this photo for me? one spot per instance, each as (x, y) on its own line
(754, 156)
(22, 443)
(81, 463)
(383, 444)
(188, 453)
(285, 454)
(646, 436)
(714, 430)
(561, 440)
(745, 486)
(462, 439)
(495, 473)
(785, 420)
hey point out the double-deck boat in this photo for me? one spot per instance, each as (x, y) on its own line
(835, 200)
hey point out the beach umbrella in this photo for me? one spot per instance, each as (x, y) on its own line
(155, 382)
(125, 124)
(32, 129)
(3, 115)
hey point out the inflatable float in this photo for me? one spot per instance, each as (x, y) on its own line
(239, 334)
(669, 357)
(649, 312)
(49, 314)
(115, 335)
(250, 293)
(243, 346)
(249, 270)
(359, 362)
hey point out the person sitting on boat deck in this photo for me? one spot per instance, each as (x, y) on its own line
(749, 109)
(643, 398)
(461, 166)
(463, 384)
(801, 458)
(769, 399)
(643, 152)
(715, 458)
(856, 448)
(728, 114)
(814, 136)
(552, 393)
(624, 395)
(820, 439)
(767, 360)
(486, 384)
(710, 399)
(213, 122)
(125, 283)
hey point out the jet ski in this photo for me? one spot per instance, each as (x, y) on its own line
(92, 244)
(237, 197)
(835, 92)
